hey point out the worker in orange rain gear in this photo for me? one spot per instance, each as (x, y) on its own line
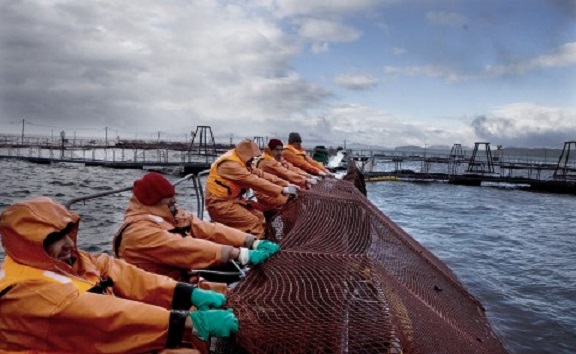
(296, 155)
(56, 298)
(230, 176)
(271, 161)
(160, 237)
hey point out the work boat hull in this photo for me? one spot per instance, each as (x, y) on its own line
(349, 280)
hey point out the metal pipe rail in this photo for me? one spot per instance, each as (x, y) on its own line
(198, 191)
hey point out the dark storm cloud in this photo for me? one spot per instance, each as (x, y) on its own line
(511, 133)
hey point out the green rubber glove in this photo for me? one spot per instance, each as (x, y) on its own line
(206, 299)
(214, 323)
(257, 257)
(268, 247)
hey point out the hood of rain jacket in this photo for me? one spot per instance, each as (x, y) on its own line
(25, 225)
(247, 149)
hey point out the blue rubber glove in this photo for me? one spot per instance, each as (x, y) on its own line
(206, 299)
(214, 323)
(267, 246)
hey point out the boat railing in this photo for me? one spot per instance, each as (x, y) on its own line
(198, 192)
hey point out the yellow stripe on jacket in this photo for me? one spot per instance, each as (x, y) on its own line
(13, 273)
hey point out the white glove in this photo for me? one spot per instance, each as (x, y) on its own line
(291, 189)
(243, 257)
(312, 181)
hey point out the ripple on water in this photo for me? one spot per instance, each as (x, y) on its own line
(513, 249)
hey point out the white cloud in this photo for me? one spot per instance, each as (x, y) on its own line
(442, 18)
(289, 8)
(318, 48)
(398, 51)
(435, 71)
(356, 82)
(327, 31)
(564, 56)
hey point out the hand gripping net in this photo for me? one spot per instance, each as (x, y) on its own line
(349, 280)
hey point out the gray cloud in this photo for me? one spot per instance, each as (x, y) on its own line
(356, 82)
(147, 66)
(512, 133)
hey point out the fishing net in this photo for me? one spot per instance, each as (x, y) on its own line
(349, 280)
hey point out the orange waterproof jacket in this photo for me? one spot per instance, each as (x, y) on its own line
(300, 159)
(153, 239)
(268, 163)
(45, 307)
(229, 175)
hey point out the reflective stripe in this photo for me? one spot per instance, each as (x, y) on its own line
(155, 218)
(60, 278)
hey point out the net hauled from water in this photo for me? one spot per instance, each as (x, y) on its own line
(349, 280)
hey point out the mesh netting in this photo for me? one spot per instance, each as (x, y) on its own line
(349, 280)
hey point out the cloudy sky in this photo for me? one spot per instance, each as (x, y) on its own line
(376, 72)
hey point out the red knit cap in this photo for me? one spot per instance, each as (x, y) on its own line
(152, 188)
(274, 143)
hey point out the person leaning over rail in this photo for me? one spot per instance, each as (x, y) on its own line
(160, 237)
(271, 162)
(296, 155)
(230, 176)
(56, 298)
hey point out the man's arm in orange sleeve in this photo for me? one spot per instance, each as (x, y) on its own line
(162, 247)
(220, 233)
(86, 322)
(300, 163)
(277, 169)
(240, 175)
(297, 170)
(110, 324)
(270, 177)
(133, 283)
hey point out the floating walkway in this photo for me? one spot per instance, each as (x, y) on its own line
(480, 167)
(536, 185)
(185, 168)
